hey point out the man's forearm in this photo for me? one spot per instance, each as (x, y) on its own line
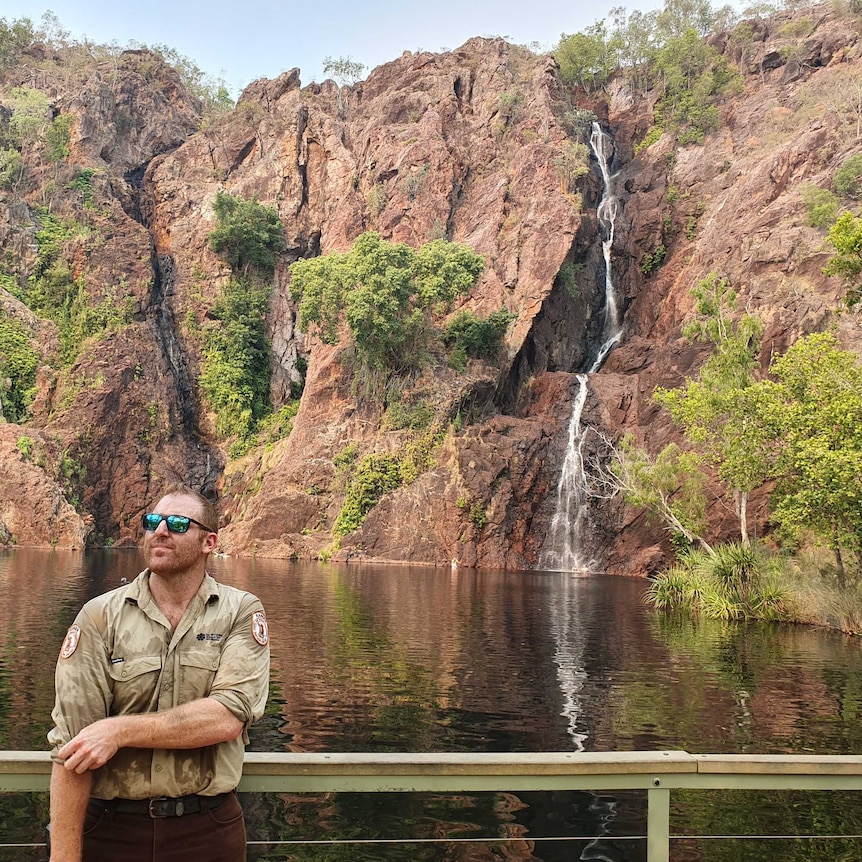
(193, 725)
(69, 795)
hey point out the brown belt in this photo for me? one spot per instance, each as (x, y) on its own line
(160, 806)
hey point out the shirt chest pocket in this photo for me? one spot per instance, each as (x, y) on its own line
(197, 670)
(134, 681)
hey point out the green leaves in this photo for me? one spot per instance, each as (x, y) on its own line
(374, 475)
(845, 236)
(18, 363)
(719, 411)
(819, 465)
(469, 335)
(236, 360)
(236, 351)
(589, 58)
(386, 293)
(53, 291)
(248, 235)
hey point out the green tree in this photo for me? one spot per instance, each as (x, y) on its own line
(820, 204)
(30, 120)
(588, 58)
(248, 234)
(236, 363)
(236, 360)
(677, 17)
(719, 410)
(374, 476)
(57, 136)
(345, 70)
(691, 75)
(15, 35)
(469, 335)
(18, 364)
(847, 181)
(635, 35)
(11, 168)
(845, 236)
(386, 293)
(668, 486)
(54, 292)
(818, 408)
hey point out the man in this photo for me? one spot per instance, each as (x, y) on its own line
(156, 685)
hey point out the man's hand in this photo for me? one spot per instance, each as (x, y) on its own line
(93, 747)
(195, 724)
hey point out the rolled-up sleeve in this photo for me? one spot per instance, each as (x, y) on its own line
(241, 683)
(82, 682)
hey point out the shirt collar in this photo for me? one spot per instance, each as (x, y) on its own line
(139, 590)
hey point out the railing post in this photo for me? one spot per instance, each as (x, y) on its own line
(658, 824)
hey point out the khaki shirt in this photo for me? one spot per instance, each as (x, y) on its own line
(120, 658)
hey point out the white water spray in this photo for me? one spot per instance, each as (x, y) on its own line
(563, 550)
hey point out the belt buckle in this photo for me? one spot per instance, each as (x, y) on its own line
(160, 807)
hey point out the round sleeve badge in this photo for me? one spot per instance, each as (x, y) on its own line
(70, 642)
(259, 628)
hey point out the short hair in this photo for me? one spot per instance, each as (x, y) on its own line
(209, 513)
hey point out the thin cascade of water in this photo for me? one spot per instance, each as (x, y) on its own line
(607, 212)
(563, 549)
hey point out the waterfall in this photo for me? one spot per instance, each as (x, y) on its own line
(563, 550)
(612, 330)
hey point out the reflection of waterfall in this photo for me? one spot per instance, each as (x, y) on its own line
(569, 636)
(563, 549)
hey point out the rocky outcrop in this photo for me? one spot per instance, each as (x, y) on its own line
(115, 413)
(467, 145)
(34, 509)
(475, 145)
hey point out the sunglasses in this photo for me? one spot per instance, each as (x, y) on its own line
(176, 523)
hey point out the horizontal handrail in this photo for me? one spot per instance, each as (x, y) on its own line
(657, 772)
(268, 771)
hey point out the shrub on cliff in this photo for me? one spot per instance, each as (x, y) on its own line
(469, 335)
(54, 292)
(845, 236)
(236, 360)
(15, 35)
(247, 235)
(18, 363)
(387, 294)
(236, 369)
(374, 475)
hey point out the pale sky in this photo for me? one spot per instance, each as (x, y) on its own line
(243, 40)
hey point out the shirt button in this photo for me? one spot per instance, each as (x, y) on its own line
(158, 769)
(166, 687)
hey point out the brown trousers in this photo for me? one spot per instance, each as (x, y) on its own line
(209, 836)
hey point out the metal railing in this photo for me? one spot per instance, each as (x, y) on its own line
(657, 772)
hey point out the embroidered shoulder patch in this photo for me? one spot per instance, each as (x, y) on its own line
(259, 628)
(70, 642)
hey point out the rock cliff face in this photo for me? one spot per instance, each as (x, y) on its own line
(474, 145)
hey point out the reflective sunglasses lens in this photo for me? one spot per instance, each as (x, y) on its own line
(151, 522)
(178, 523)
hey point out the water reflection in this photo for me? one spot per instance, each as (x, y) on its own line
(376, 658)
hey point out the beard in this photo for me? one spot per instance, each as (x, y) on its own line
(172, 554)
